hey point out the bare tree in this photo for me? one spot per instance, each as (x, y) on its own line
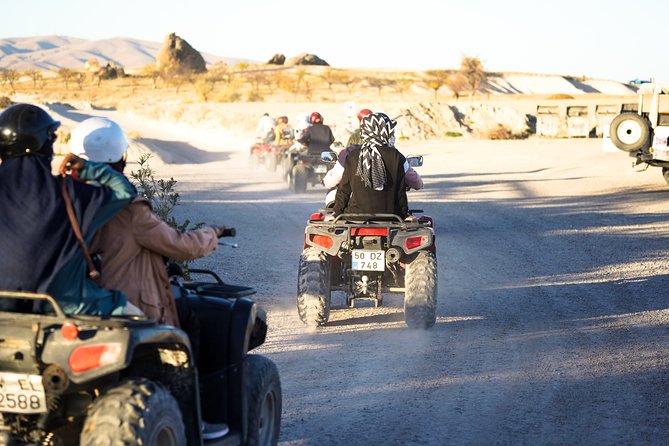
(457, 84)
(402, 85)
(436, 80)
(378, 83)
(36, 77)
(10, 77)
(66, 75)
(153, 73)
(79, 79)
(177, 75)
(472, 70)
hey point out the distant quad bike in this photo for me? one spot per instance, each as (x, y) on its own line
(366, 255)
(644, 133)
(259, 154)
(307, 168)
(124, 380)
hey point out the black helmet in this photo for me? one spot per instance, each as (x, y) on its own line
(26, 129)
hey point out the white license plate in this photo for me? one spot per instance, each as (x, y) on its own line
(22, 393)
(320, 169)
(367, 260)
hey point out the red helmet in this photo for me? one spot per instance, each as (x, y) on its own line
(315, 118)
(364, 112)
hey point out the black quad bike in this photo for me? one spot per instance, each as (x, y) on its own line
(366, 255)
(304, 168)
(125, 380)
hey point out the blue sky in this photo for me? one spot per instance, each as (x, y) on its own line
(592, 38)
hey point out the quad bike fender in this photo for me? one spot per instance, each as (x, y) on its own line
(412, 240)
(326, 238)
(77, 357)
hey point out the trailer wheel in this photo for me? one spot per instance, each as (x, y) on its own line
(630, 132)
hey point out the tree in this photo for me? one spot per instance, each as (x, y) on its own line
(152, 72)
(402, 85)
(436, 79)
(36, 77)
(10, 77)
(66, 75)
(472, 70)
(457, 84)
(177, 75)
(378, 83)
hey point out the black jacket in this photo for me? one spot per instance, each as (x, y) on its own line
(317, 138)
(354, 197)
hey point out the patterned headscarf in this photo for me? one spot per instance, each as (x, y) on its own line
(376, 131)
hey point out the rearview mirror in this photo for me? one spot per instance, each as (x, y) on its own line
(328, 157)
(415, 160)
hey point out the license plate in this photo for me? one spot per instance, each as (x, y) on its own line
(22, 393)
(368, 260)
(320, 169)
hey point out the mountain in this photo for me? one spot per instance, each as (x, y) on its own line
(53, 52)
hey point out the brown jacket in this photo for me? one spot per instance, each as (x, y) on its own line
(132, 246)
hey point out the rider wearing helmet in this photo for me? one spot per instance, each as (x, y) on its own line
(334, 175)
(35, 228)
(355, 137)
(318, 137)
(132, 245)
(283, 132)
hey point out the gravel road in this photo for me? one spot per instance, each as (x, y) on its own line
(552, 307)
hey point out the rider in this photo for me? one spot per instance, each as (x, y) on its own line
(283, 132)
(334, 175)
(355, 137)
(40, 250)
(318, 137)
(265, 129)
(134, 244)
(374, 180)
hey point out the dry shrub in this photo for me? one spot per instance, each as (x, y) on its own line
(5, 102)
(560, 96)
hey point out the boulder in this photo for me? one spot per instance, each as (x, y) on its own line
(306, 59)
(177, 54)
(277, 59)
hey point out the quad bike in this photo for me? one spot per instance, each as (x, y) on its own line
(125, 380)
(304, 168)
(259, 154)
(366, 255)
(644, 133)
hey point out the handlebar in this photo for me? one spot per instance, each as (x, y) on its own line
(228, 232)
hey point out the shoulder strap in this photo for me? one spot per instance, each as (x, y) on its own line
(93, 273)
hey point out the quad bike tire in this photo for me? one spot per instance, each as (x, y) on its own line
(630, 132)
(136, 411)
(271, 162)
(263, 388)
(299, 178)
(420, 291)
(313, 288)
(254, 159)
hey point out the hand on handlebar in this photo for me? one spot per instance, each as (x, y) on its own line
(71, 163)
(222, 231)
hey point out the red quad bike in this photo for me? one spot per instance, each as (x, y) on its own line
(365, 255)
(259, 154)
(68, 380)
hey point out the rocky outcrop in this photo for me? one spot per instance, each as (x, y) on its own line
(109, 71)
(277, 59)
(177, 54)
(306, 59)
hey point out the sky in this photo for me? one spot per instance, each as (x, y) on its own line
(617, 40)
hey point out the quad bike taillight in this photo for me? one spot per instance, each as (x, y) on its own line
(88, 357)
(321, 240)
(415, 242)
(69, 331)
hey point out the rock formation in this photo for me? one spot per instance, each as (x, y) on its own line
(277, 59)
(306, 59)
(177, 54)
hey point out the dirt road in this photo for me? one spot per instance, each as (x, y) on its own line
(552, 309)
(552, 316)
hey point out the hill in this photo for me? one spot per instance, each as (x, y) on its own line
(53, 52)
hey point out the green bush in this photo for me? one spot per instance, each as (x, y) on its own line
(453, 134)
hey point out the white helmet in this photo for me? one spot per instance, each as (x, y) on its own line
(99, 139)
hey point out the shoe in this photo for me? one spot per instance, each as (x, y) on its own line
(212, 431)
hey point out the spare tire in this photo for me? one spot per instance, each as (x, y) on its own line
(630, 132)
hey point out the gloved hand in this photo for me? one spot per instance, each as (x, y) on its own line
(411, 218)
(71, 163)
(329, 217)
(219, 230)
